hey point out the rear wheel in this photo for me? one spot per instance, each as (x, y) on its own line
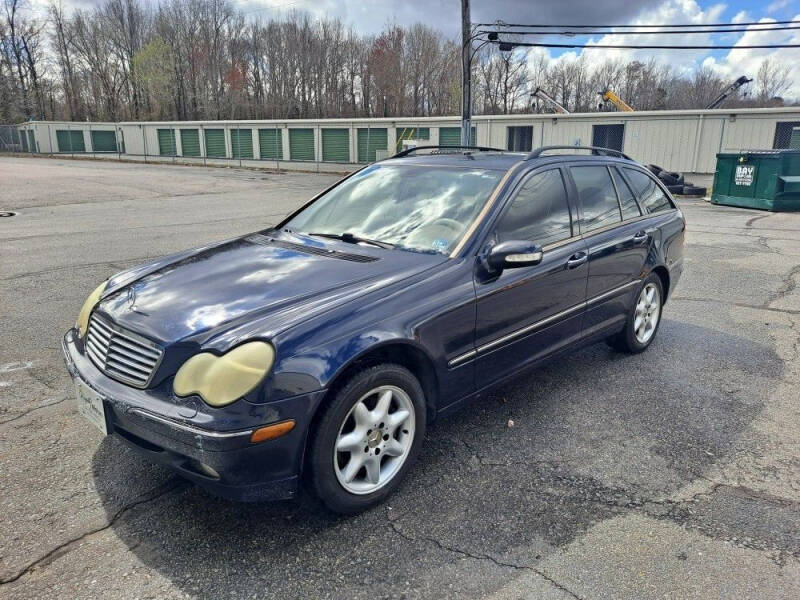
(643, 319)
(367, 438)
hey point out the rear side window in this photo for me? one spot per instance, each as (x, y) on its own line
(646, 189)
(539, 212)
(598, 197)
(627, 202)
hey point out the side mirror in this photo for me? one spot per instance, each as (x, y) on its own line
(513, 254)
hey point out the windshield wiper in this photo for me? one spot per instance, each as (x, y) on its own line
(353, 239)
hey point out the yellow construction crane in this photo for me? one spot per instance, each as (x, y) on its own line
(609, 96)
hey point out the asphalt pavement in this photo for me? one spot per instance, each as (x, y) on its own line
(670, 474)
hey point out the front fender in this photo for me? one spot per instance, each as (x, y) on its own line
(317, 368)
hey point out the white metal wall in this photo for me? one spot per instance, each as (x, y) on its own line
(685, 141)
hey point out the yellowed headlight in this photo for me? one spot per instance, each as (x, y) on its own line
(220, 380)
(83, 317)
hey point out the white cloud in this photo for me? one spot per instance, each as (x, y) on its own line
(747, 61)
(730, 65)
(777, 5)
(672, 12)
(741, 17)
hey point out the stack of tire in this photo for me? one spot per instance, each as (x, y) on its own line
(675, 183)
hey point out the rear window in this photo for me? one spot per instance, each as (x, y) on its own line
(598, 197)
(626, 199)
(650, 196)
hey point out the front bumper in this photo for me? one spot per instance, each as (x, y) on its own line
(153, 426)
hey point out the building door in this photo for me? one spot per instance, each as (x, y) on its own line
(520, 139)
(608, 136)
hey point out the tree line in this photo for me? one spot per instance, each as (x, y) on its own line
(206, 59)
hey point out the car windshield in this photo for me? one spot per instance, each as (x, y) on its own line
(421, 208)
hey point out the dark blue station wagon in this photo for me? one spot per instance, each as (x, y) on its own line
(320, 348)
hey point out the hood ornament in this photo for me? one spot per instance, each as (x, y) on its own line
(131, 299)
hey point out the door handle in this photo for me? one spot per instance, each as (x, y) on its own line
(577, 259)
(641, 237)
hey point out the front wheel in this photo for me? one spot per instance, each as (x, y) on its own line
(367, 438)
(643, 318)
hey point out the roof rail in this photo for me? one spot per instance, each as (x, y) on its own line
(408, 151)
(605, 151)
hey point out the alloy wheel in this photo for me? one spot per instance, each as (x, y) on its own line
(374, 440)
(647, 313)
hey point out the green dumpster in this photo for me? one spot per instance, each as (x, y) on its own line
(764, 179)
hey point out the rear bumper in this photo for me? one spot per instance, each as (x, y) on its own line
(222, 461)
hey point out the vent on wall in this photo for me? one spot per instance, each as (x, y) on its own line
(265, 240)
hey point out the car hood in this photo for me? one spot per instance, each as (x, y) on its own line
(216, 288)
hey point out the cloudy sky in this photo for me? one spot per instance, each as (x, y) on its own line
(370, 16)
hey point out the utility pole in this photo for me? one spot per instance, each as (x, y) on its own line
(466, 73)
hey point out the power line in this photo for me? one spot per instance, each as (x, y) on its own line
(643, 47)
(668, 32)
(628, 26)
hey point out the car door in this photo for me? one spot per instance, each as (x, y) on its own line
(528, 312)
(617, 241)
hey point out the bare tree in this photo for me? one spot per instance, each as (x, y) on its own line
(772, 81)
(205, 59)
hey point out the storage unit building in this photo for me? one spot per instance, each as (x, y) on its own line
(686, 141)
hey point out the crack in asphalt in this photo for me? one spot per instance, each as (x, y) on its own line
(48, 557)
(750, 222)
(248, 218)
(750, 235)
(35, 408)
(789, 284)
(581, 490)
(787, 311)
(132, 261)
(466, 553)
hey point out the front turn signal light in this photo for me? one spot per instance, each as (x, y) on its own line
(221, 380)
(270, 432)
(83, 317)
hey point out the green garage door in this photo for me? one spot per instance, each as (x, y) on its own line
(104, 141)
(451, 136)
(31, 140)
(242, 143)
(270, 144)
(215, 143)
(23, 138)
(370, 140)
(336, 145)
(190, 142)
(70, 141)
(166, 142)
(301, 144)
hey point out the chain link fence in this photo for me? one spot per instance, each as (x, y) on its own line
(12, 139)
(787, 135)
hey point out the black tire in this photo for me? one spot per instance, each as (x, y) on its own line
(323, 479)
(675, 189)
(626, 340)
(655, 169)
(670, 178)
(690, 190)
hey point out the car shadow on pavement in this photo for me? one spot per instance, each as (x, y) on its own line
(594, 434)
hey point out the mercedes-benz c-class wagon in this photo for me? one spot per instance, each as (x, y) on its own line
(318, 350)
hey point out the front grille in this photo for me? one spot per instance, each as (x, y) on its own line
(121, 354)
